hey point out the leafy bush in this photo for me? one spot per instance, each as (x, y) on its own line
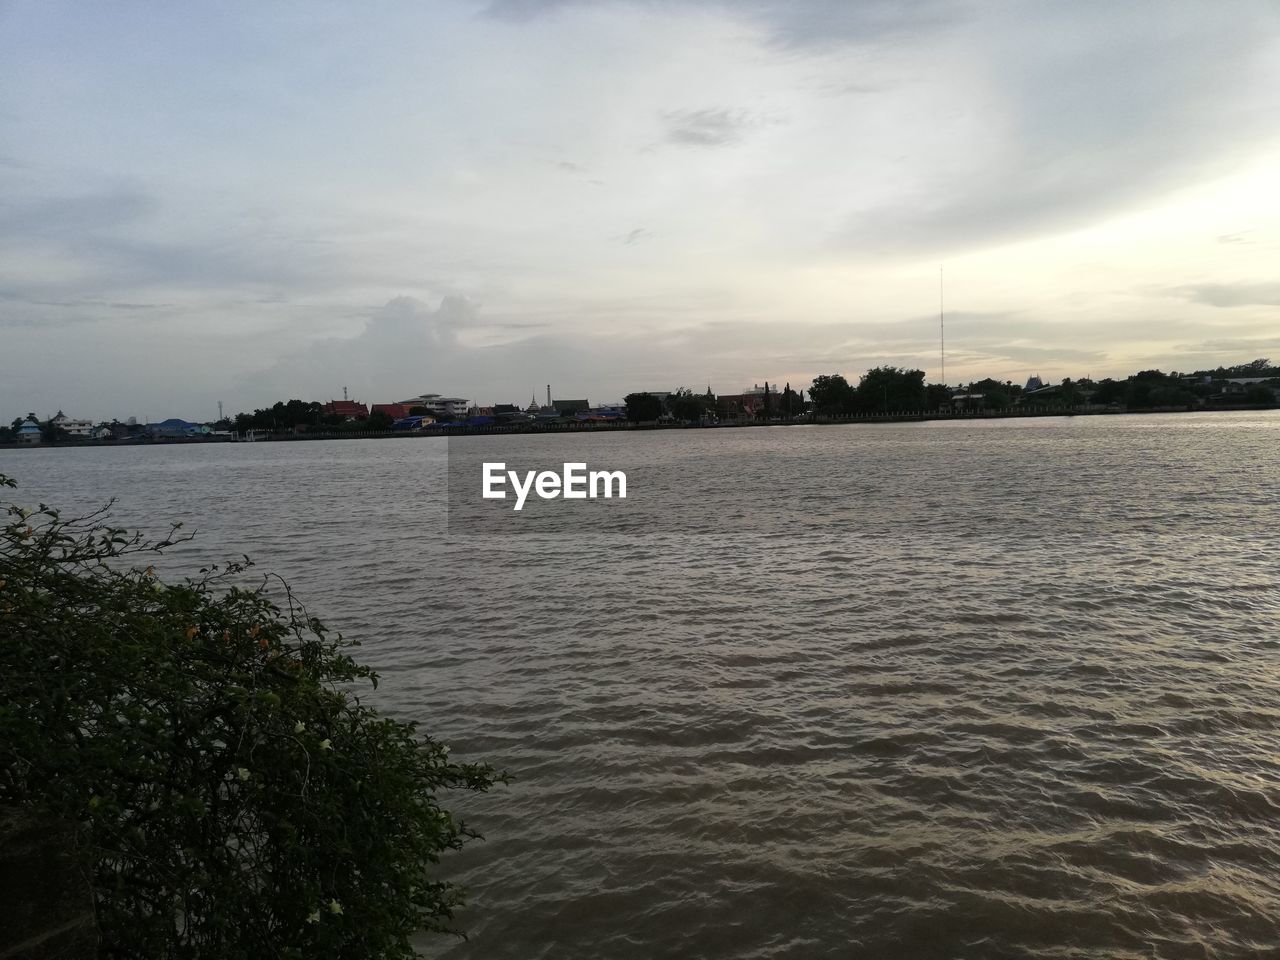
(234, 796)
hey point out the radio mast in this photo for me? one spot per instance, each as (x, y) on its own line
(942, 331)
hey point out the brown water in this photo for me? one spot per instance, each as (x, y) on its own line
(1004, 689)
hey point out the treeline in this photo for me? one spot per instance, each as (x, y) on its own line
(288, 415)
(683, 405)
(880, 390)
(896, 390)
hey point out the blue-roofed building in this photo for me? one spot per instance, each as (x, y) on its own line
(175, 427)
(29, 430)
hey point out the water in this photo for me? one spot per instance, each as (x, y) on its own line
(999, 689)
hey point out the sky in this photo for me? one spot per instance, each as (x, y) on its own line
(247, 202)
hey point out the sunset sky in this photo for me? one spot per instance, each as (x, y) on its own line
(250, 202)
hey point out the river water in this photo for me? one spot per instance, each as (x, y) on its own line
(995, 689)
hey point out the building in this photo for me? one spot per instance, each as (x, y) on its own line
(396, 411)
(347, 409)
(176, 427)
(73, 428)
(29, 430)
(567, 408)
(440, 406)
(1033, 383)
(748, 403)
(413, 423)
(967, 401)
(510, 413)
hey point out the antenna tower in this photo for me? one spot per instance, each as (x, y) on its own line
(942, 331)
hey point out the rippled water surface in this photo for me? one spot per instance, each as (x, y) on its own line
(1001, 689)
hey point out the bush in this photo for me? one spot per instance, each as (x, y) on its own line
(232, 794)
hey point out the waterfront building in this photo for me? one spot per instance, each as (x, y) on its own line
(438, 405)
(29, 430)
(177, 427)
(348, 409)
(73, 427)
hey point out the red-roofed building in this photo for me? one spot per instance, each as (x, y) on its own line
(396, 411)
(349, 409)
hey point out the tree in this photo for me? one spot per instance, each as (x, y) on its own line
(283, 416)
(996, 394)
(233, 795)
(832, 394)
(642, 407)
(378, 420)
(686, 405)
(790, 403)
(937, 396)
(1109, 391)
(890, 390)
(1257, 393)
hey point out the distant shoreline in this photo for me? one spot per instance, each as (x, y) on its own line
(626, 426)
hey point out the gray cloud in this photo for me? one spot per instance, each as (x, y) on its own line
(707, 128)
(71, 217)
(1100, 109)
(1232, 294)
(789, 23)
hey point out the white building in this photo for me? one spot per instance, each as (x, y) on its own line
(438, 405)
(74, 428)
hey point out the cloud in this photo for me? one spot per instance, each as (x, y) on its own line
(72, 216)
(707, 128)
(787, 23)
(1232, 294)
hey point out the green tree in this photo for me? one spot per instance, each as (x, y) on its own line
(937, 396)
(996, 394)
(685, 405)
(765, 410)
(832, 394)
(233, 794)
(378, 420)
(890, 390)
(283, 416)
(642, 407)
(790, 403)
